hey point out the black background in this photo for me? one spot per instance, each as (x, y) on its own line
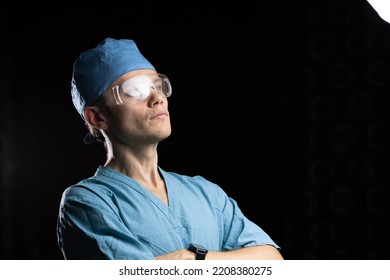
(284, 104)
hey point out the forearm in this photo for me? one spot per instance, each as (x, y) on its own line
(182, 254)
(264, 252)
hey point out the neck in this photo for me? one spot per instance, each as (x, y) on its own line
(139, 164)
(144, 171)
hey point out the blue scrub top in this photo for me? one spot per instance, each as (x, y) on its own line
(111, 216)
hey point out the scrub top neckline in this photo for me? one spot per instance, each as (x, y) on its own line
(112, 173)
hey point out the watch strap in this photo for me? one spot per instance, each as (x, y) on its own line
(200, 251)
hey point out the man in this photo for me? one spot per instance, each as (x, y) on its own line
(132, 208)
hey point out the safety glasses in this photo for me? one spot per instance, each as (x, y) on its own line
(139, 88)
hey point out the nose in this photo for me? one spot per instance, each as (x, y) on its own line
(156, 97)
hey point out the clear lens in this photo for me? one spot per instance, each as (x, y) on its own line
(138, 88)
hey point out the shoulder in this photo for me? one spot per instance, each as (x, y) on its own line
(104, 180)
(187, 179)
(93, 187)
(193, 183)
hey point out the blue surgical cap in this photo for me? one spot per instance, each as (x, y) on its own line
(95, 69)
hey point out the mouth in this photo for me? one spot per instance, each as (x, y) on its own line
(160, 115)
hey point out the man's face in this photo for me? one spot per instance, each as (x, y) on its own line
(136, 109)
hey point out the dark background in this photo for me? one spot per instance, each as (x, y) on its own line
(284, 104)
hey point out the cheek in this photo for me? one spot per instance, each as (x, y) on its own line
(123, 117)
(116, 116)
(119, 113)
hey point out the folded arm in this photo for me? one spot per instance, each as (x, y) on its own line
(260, 252)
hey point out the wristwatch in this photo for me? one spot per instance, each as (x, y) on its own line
(199, 251)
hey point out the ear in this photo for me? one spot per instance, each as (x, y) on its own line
(95, 117)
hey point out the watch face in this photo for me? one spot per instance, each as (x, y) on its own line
(199, 250)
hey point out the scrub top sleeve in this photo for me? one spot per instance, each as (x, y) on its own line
(88, 228)
(239, 231)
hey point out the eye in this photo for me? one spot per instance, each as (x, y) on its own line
(138, 87)
(158, 87)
